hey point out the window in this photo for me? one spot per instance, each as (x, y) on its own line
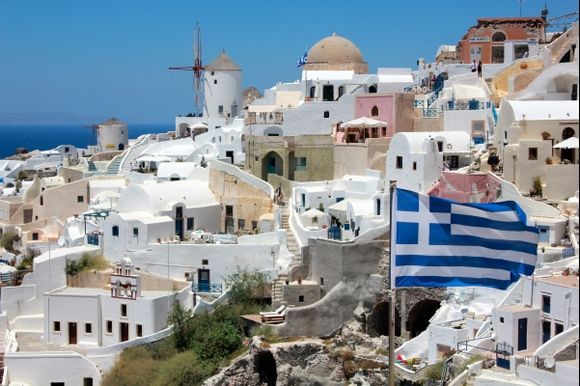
(520, 51)
(241, 223)
(135, 232)
(546, 304)
(109, 326)
(399, 162)
(559, 328)
(190, 223)
(414, 165)
(321, 281)
(215, 81)
(56, 383)
(375, 111)
(501, 319)
(533, 153)
(340, 91)
(312, 92)
(497, 54)
(139, 330)
(373, 89)
(254, 225)
(546, 325)
(80, 199)
(35, 236)
(301, 299)
(56, 326)
(205, 262)
(87, 381)
(115, 231)
(41, 200)
(498, 37)
(440, 146)
(300, 163)
(229, 211)
(221, 110)
(124, 310)
(327, 114)
(88, 328)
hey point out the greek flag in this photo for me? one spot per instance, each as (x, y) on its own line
(440, 243)
(302, 60)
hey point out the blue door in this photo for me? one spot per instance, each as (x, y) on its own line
(203, 280)
(544, 234)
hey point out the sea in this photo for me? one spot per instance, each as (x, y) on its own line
(48, 136)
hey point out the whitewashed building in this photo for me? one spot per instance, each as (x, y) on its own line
(415, 160)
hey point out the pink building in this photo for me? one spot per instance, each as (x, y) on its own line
(461, 187)
(394, 108)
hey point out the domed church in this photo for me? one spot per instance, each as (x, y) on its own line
(336, 53)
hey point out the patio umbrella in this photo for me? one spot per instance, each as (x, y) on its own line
(364, 123)
(570, 143)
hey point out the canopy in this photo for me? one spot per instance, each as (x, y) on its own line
(199, 125)
(313, 212)
(338, 210)
(570, 143)
(364, 123)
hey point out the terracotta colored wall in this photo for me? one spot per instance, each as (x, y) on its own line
(513, 31)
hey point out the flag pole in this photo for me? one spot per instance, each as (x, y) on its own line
(391, 291)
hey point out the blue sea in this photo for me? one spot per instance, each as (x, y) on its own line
(48, 136)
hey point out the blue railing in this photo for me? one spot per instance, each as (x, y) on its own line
(419, 103)
(334, 233)
(431, 113)
(435, 94)
(468, 105)
(568, 252)
(206, 287)
(93, 239)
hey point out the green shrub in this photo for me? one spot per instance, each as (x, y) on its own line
(246, 288)
(180, 318)
(134, 367)
(183, 369)
(7, 239)
(213, 339)
(86, 263)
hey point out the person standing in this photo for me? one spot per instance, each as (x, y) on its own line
(479, 69)
(474, 66)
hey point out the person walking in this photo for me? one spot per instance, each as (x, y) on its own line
(479, 69)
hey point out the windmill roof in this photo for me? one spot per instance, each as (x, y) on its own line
(223, 63)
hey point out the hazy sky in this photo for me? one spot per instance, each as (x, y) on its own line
(111, 57)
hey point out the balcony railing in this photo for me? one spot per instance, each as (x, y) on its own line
(431, 113)
(467, 105)
(206, 287)
(276, 118)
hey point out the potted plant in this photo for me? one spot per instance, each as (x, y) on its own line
(549, 161)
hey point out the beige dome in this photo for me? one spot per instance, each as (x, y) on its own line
(335, 49)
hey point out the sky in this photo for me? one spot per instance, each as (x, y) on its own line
(88, 60)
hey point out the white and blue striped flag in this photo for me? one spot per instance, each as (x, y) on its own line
(302, 61)
(440, 243)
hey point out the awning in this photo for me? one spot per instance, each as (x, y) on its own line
(570, 143)
(364, 123)
(338, 210)
(312, 213)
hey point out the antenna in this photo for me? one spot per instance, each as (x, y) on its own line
(197, 70)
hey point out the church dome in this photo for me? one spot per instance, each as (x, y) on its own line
(335, 49)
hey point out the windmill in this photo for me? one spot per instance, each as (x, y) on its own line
(197, 70)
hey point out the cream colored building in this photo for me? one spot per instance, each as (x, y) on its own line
(526, 134)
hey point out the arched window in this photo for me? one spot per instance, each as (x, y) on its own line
(375, 111)
(568, 132)
(373, 89)
(498, 37)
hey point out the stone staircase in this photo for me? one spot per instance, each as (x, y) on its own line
(113, 166)
(91, 166)
(129, 161)
(294, 249)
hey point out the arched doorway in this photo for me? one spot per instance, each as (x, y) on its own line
(419, 316)
(378, 320)
(272, 163)
(568, 154)
(121, 146)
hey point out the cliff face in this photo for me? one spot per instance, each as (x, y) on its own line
(350, 357)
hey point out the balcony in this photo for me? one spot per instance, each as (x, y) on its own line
(206, 288)
(276, 118)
